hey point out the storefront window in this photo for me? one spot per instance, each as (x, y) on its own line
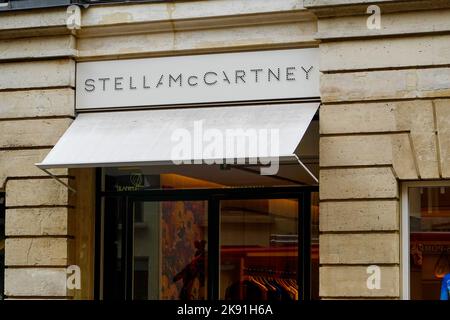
(170, 250)
(429, 223)
(160, 246)
(168, 237)
(259, 250)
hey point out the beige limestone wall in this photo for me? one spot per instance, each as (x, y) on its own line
(384, 119)
(36, 107)
(31, 121)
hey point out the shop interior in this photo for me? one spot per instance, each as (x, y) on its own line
(259, 237)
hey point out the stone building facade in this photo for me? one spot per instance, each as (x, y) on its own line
(384, 120)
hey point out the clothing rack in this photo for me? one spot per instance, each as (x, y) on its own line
(269, 272)
(283, 239)
(264, 284)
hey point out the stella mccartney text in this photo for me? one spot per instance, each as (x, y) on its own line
(209, 78)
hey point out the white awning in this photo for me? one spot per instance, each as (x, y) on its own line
(150, 137)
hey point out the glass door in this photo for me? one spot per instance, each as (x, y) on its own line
(169, 254)
(155, 250)
(259, 246)
(234, 244)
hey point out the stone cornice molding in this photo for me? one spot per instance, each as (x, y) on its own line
(139, 18)
(334, 8)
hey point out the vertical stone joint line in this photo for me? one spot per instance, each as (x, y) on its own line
(28, 251)
(394, 172)
(414, 155)
(436, 134)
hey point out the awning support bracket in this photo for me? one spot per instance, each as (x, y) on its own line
(306, 169)
(59, 180)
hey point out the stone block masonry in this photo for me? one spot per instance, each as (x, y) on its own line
(36, 107)
(384, 119)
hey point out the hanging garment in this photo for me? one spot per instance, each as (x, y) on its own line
(442, 266)
(263, 288)
(245, 290)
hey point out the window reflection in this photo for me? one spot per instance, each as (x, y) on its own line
(170, 250)
(259, 250)
(429, 212)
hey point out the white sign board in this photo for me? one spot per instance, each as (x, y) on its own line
(224, 77)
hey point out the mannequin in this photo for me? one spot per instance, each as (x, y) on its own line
(445, 288)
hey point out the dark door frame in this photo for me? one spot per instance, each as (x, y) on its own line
(213, 198)
(2, 238)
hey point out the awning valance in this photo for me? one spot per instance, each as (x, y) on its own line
(157, 136)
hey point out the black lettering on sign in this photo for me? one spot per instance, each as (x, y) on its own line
(144, 84)
(239, 74)
(290, 74)
(89, 85)
(131, 84)
(171, 78)
(225, 77)
(192, 84)
(208, 76)
(271, 73)
(160, 82)
(118, 83)
(307, 72)
(256, 73)
(103, 80)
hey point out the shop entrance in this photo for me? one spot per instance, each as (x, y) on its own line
(210, 231)
(252, 243)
